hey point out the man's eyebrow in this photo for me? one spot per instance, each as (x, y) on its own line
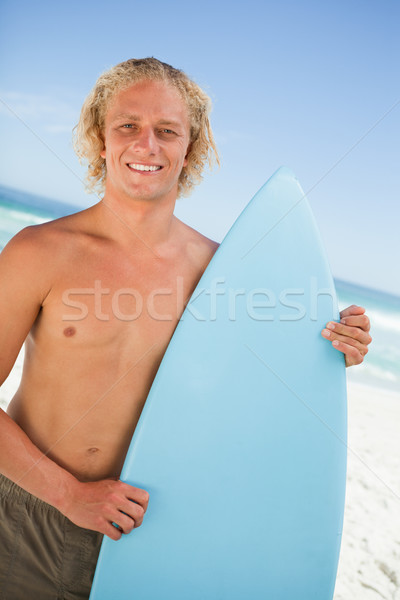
(169, 122)
(132, 117)
(129, 116)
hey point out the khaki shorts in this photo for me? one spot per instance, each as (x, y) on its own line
(43, 555)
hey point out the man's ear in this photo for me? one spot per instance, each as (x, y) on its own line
(189, 149)
(103, 153)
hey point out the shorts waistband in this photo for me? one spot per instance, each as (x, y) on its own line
(16, 493)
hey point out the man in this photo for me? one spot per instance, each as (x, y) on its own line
(96, 296)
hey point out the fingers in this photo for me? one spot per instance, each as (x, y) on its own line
(346, 340)
(138, 516)
(353, 356)
(134, 505)
(355, 315)
(115, 523)
(123, 521)
(134, 512)
(352, 310)
(333, 330)
(137, 495)
(125, 506)
(112, 531)
(109, 506)
(360, 321)
(350, 336)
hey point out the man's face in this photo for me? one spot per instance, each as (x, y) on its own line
(146, 139)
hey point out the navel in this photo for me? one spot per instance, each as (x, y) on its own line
(92, 450)
(69, 331)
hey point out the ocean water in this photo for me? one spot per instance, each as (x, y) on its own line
(18, 210)
(381, 368)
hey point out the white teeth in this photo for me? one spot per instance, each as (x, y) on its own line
(144, 167)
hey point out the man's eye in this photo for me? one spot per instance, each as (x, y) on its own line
(167, 131)
(127, 126)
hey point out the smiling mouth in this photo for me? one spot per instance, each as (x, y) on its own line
(144, 168)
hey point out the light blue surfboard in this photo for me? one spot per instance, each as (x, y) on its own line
(242, 440)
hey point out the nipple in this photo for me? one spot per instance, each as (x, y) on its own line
(69, 331)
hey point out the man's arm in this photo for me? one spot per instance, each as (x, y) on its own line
(27, 266)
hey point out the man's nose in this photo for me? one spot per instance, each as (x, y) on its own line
(146, 141)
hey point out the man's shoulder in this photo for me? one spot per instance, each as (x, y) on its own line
(46, 243)
(196, 241)
(195, 250)
(51, 233)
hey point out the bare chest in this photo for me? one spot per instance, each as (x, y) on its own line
(115, 302)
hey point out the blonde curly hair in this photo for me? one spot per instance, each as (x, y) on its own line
(88, 134)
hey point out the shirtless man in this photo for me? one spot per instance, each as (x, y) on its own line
(96, 296)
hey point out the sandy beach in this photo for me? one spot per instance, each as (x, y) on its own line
(369, 566)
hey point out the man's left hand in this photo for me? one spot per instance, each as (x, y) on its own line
(350, 336)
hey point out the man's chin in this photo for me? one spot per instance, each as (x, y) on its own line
(143, 194)
(152, 193)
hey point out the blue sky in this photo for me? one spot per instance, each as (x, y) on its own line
(311, 85)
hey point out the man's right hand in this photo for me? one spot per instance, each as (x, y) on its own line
(97, 505)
